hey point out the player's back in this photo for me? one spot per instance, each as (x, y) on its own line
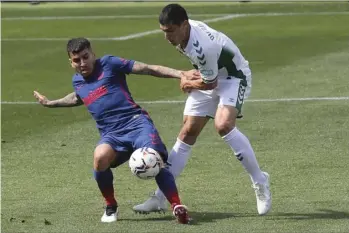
(106, 95)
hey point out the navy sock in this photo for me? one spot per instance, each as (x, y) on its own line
(167, 185)
(105, 183)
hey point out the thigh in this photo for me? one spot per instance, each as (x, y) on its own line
(231, 92)
(120, 147)
(226, 116)
(148, 136)
(116, 140)
(120, 158)
(201, 104)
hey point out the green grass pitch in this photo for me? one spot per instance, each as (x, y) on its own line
(46, 157)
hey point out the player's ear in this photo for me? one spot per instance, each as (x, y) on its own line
(185, 23)
(71, 63)
(92, 52)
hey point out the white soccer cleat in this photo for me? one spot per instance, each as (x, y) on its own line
(153, 204)
(110, 214)
(263, 196)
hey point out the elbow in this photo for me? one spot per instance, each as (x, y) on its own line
(151, 70)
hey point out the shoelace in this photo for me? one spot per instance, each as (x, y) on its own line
(109, 210)
(152, 194)
(260, 191)
(181, 208)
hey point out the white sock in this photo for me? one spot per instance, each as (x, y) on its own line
(178, 158)
(240, 144)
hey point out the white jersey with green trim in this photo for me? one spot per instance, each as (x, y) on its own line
(214, 54)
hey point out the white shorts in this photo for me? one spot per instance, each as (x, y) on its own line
(230, 92)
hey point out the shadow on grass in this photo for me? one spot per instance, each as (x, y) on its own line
(198, 217)
(206, 217)
(322, 214)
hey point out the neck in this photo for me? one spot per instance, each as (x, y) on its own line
(184, 43)
(86, 77)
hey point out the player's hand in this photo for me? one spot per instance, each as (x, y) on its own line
(42, 99)
(191, 74)
(184, 87)
(210, 86)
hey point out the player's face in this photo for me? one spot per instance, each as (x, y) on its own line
(83, 62)
(174, 34)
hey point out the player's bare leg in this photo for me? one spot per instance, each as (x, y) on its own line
(239, 143)
(178, 158)
(104, 155)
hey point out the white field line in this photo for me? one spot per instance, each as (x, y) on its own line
(94, 17)
(128, 37)
(182, 101)
(146, 33)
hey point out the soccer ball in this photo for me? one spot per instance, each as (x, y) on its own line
(145, 163)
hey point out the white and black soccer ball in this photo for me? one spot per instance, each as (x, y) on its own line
(145, 163)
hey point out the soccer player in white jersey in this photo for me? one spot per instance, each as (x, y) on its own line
(220, 92)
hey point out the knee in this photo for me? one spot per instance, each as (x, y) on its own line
(103, 157)
(224, 127)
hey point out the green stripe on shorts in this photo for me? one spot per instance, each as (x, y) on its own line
(241, 94)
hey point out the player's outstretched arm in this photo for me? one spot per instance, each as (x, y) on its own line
(157, 71)
(70, 100)
(197, 84)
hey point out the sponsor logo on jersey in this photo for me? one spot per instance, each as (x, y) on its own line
(206, 72)
(94, 95)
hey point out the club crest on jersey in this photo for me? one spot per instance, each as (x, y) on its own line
(123, 60)
(100, 76)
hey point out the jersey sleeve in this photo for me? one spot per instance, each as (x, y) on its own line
(121, 65)
(77, 84)
(208, 65)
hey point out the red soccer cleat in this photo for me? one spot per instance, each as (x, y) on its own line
(181, 213)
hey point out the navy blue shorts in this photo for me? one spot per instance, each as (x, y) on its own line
(140, 133)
